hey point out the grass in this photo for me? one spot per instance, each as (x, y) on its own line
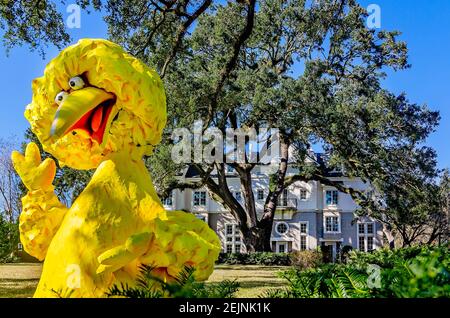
(255, 280)
(20, 280)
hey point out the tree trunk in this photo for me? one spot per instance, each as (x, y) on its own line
(245, 177)
(266, 222)
(257, 239)
(256, 233)
(387, 231)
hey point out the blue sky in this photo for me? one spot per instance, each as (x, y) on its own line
(425, 26)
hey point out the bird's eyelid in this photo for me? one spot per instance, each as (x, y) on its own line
(77, 82)
(60, 97)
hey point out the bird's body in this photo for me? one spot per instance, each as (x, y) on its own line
(118, 202)
(99, 108)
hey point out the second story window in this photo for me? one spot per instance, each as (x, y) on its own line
(199, 198)
(332, 197)
(332, 224)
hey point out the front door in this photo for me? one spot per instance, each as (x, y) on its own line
(327, 252)
(282, 247)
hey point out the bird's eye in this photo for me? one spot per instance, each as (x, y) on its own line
(61, 97)
(76, 82)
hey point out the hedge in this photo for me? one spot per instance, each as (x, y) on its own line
(256, 258)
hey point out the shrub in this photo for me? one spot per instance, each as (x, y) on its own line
(256, 258)
(388, 258)
(306, 259)
(345, 253)
(9, 239)
(410, 272)
(327, 281)
(184, 286)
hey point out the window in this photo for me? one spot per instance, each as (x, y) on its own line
(303, 245)
(332, 224)
(232, 238)
(303, 194)
(281, 228)
(199, 198)
(362, 243)
(366, 232)
(238, 196)
(332, 197)
(169, 200)
(283, 199)
(369, 228)
(370, 243)
(361, 228)
(304, 228)
(303, 236)
(230, 169)
(229, 229)
(260, 194)
(281, 248)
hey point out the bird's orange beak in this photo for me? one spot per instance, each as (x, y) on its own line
(88, 109)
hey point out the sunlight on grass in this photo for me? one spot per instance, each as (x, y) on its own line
(255, 280)
(20, 280)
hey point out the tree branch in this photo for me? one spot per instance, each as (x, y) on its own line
(181, 33)
(231, 64)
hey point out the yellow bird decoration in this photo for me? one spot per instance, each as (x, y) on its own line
(97, 107)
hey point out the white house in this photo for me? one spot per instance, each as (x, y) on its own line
(308, 215)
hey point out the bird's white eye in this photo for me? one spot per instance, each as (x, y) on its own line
(76, 82)
(61, 97)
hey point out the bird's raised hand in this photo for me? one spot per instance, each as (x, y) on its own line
(35, 174)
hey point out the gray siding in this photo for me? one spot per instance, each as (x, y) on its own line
(316, 234)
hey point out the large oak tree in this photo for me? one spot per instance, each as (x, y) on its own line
(310, 68)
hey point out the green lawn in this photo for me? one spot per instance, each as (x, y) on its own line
(20, 280)
(255, 280)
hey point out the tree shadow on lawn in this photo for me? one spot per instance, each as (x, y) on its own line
(262, 268)
(18, 280)
(256, 289)
(17, 288)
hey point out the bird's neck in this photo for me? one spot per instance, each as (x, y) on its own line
(134, 171)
